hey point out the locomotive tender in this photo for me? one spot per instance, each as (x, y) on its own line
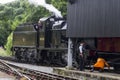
(46, 43)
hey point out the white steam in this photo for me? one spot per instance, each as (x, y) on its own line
(49, 7)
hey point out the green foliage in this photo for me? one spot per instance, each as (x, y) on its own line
(20, 11)
(3, 52)
(15, 4)
(1, 7)
(8, 46)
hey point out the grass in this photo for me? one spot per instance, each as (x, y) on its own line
(3, 52)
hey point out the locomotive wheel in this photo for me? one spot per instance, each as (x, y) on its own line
(18, 58)
(17, 55)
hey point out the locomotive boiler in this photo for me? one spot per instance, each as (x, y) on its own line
(43, 42)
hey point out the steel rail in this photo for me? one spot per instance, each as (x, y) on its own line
(40, 75)
(10, 69)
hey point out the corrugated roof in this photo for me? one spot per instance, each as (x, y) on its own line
(94, 18)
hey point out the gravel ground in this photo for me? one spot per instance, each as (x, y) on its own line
(34, 67)
(4, 76)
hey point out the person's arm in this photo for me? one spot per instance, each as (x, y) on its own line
(107, 65)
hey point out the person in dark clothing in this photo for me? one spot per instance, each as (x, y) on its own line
(82, 55)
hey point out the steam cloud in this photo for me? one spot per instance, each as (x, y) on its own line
(49, 7)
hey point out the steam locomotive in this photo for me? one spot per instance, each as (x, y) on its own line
(43, 42)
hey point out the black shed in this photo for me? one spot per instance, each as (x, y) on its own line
(93, 18)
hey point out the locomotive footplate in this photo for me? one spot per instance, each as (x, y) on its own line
(54, 49)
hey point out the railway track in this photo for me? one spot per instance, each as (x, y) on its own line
(4, 67)
(28, 74)
(34, 73)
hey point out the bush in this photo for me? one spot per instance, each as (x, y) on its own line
(8, 45)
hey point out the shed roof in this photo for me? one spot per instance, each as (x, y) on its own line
(94, 18)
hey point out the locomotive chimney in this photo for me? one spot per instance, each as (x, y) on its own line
(71, 1)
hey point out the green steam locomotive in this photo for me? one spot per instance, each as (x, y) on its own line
(44, 42)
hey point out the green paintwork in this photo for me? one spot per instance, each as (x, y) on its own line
(24, 39)
(25, 35)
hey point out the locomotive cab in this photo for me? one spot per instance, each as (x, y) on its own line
(55, 41)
